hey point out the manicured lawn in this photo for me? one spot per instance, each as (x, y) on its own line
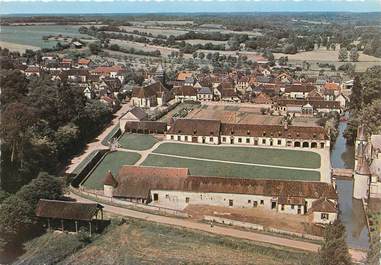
(137, 141)
(207, 168)
(112, 161)
(266, 156)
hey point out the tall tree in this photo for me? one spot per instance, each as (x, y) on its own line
(356, 97)
(354, 55)
(16, 119)
(334, 250)
(343, 55)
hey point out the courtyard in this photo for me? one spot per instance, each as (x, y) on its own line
(136, 141)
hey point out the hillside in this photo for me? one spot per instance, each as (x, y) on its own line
(139, 242)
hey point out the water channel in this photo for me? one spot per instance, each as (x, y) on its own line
(352, 214)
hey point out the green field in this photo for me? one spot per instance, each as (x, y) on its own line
(207, 168)
(266, 156)
(112, 161)
(141, 242)
(32, 35)
(137, 141)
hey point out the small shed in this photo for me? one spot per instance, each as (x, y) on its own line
(69, 212)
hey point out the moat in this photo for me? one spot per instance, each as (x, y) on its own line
(351, 211)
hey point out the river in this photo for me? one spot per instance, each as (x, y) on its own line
(352, 214)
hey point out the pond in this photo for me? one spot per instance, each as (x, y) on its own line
(352, 214)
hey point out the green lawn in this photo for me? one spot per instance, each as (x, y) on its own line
(266, 156)
(112, 161)
(84, 162)
(207, 168)
(137, 141)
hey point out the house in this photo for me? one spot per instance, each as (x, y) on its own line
(331, 90)
(84, 63)
(196, 131)
(145, 127)
(298, 91)
(76, 44)
(114, 71)
(32, 71)
(295, 105)
(185, 93)
(204, 94)
(88, 92)
(263, 99)
(175, 188)
(62, 214)
(135, 114)
(150, 96)
(343, 100)
(229, 95)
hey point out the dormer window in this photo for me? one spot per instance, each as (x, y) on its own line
(297, 134)
(264, 134)
(279, 133)
(232, 132)
(211, 133)
(194, 131)
(248, 132)
(314, 135)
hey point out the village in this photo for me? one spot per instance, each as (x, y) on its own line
(247, 150)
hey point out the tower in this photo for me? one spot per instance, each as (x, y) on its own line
(160, 74)
(361, 177)
(360, 143)
(109, 184)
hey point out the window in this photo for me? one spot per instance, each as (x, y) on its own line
(248, 201)
(230, 202)
(292, 206)
(186, 138)
(155, 196)
(255, 204)
(240, 140)
(263, 141)
(224, 139)
(178, 138)
(324, 216)
(282, 207)
(279, 142)
(187, 200)
(167, 196)
(247, 140)
(201, 197)
(262, 202)
(172, 137)
(210, 139)
(255, 142)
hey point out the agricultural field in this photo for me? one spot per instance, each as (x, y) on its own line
(31, 36)
(197, 41)
(142, 46)
(142, 242)
(209, 168)
(265, 156)
(155, 31)
(112, 161)
(137, 141)
(322, 55)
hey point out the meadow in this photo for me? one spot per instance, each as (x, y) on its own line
(31, 36)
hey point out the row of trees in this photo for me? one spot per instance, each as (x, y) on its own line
(365, 103)
(43, 124)
(353, 55)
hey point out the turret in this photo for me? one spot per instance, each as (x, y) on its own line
(109, 184)
(361, 179)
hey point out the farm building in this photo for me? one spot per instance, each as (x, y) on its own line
(175, 188)
(215, 132)
(61, 214)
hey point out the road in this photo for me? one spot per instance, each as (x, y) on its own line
(97, 143)
(357, 256)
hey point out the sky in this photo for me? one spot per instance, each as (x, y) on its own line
(184, 6)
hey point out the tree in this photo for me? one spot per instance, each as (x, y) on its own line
(354, 55)
(44, 186)
(66, 138)
(13, 87)
(16, 120)
(16, 217)
(334, 250)
(343, 55)
(290, 49)
(201, 55)
(194, 55)
(209, 56)
(356, 97)
(94, 48)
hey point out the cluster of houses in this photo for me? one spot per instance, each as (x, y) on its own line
(102, 82)
(261, 86)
